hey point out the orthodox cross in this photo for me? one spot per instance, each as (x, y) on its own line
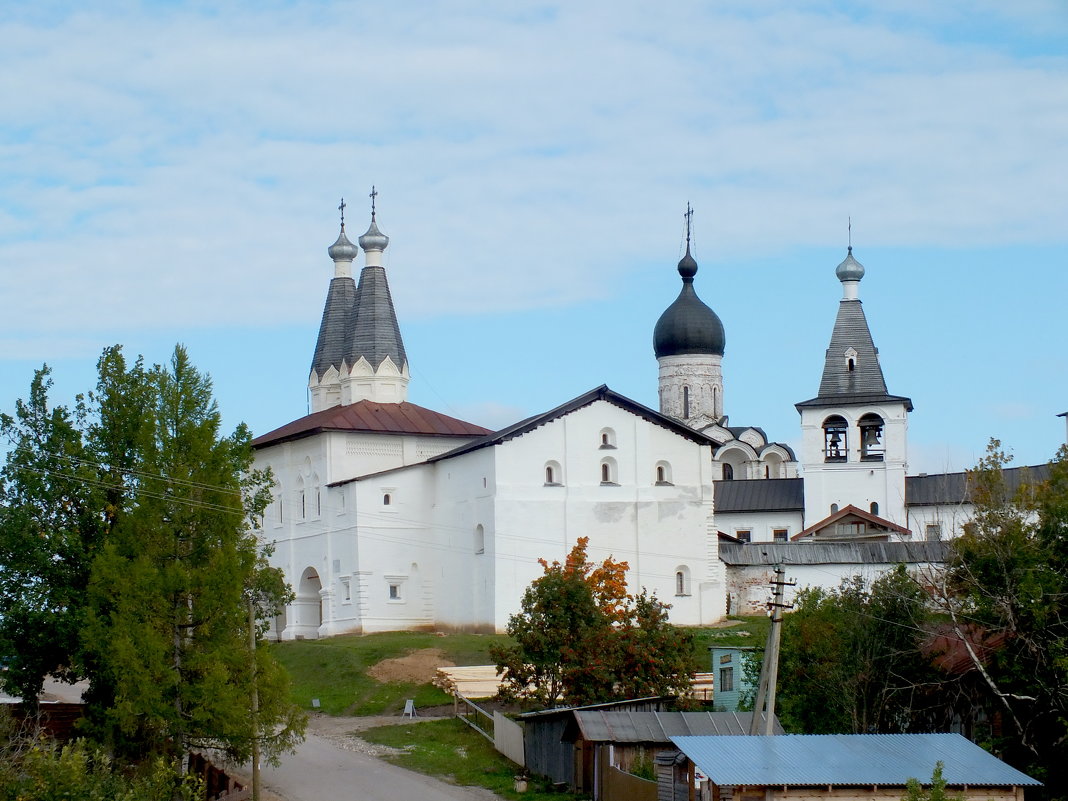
(373, 195)
(849, 233)
(341, 208)
(689, 219)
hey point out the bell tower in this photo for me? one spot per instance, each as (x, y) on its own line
(854, 434)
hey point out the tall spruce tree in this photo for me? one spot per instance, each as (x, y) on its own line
(132, 518)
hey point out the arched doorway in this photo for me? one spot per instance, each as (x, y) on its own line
(307, 606)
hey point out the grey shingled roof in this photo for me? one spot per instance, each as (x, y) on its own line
(952, 488)
(760, 495)
(864, 384)
(831, 553)
(330, 347)
(628, 726)
(359, 321)
(848, 759)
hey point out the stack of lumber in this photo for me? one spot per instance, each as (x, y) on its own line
(472, 681)
(702, 686)
(482, 681)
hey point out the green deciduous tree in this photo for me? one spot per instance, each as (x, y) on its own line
(851, 658)
(131, 520)
(1009, 576)
(581, 637)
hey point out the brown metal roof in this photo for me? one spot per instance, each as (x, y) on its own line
(850, 511)
(368, 416)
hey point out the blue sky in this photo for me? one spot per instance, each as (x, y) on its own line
(171, 172)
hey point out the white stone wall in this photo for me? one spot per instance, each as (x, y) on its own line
(762, 525)
(454, 543)
(703, 374)
(750, 586)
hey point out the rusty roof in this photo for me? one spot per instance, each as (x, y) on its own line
(850, 511)
(371, 417)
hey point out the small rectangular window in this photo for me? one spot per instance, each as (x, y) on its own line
(933, 532)
(744, 536)
(725, 659)
(394, 592)
(780, 534)
(726, 680)
(346, 590)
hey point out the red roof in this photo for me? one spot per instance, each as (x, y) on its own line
(851, 511)
(380, 418)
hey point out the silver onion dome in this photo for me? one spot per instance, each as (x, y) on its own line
(850, 269)
(374, 239)
(343, 249)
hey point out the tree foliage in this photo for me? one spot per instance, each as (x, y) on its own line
(582, 637)
(129, 559)
(936, 790)
(851, 658)
(1009, 577)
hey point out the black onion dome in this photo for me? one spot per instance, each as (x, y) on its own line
(688, 326)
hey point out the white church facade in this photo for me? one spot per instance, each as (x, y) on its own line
(390, 516)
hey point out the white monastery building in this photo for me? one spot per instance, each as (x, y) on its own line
(390, 516)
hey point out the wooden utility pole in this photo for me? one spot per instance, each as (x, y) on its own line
(769, 671)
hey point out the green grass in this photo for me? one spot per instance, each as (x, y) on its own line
(334, 670)
(450, 749)
(751, 630)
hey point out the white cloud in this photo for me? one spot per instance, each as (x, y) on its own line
(172, 167)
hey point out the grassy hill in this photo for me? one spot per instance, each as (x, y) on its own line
(341, 671)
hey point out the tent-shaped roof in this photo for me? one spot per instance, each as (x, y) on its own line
(847, 759)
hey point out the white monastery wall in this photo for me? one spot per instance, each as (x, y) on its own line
(760, 525)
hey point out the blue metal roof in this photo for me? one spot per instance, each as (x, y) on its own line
(851, 759)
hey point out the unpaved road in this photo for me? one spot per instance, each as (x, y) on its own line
(332, 766)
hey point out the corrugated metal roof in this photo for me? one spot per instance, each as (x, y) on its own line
(949, 488)
(851, 759)
(760, 495)
(832, 553)
(371, 417)
(649, 700)
(658, 727)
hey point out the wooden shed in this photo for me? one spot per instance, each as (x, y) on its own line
(608, 742)
(548, 754)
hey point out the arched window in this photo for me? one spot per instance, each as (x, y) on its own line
(608, 471)
(682, 580)
(834, 508)
(835, 439)
(302, 503)
(874, 508)
(608, 438)
(728, 472)
(554, 474)
(871, 438)
(387, 499)
(549, 477)
(686, 403)
(663, 473)
(480, 539)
